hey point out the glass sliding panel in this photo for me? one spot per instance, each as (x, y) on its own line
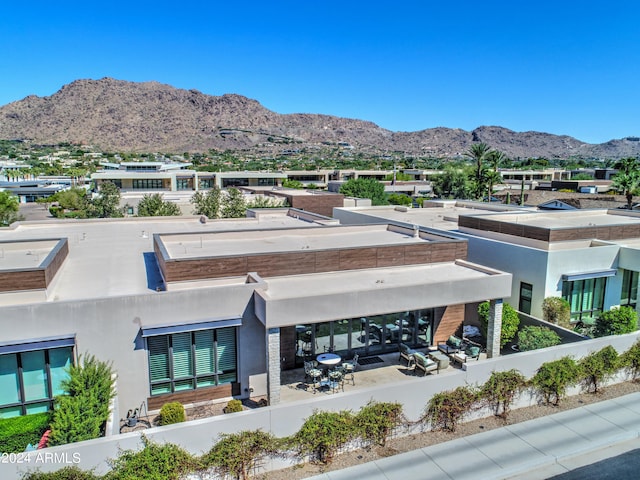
(158, 358)
(34, 375)
(10, 412)
(626, 287)
(598, 295)
(37, 408)
(182, 357)
(59, 361)
(204, 352)
(323, 337)
(9, 383)
(633, 291)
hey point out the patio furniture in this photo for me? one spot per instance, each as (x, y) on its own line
(336, 380)
(312, 375)
(472, 352)
(452, 345)
(349, 367)
(405, 352)
(440, 358)
(329, 359)
(423, 363)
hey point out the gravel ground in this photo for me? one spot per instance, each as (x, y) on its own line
(424, 439)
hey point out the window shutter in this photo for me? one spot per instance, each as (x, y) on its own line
(204, 352)
(182, 358)
(226, 349)
(158, 358)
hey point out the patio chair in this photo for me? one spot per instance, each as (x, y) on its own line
(312, 375)
(452, 345)
(336, 380)
(349, 367)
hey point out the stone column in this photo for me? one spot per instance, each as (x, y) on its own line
(273, 365)
(494, 329)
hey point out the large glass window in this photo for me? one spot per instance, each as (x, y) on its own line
(30, 380)
(629, 293)
(586, 297)
(147, 184)
(188, 360)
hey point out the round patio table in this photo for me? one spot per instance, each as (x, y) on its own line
(329, 359)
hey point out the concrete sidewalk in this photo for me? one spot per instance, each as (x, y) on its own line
(536, 449)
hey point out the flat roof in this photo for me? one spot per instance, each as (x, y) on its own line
(25, 254)
(114, 257)
(230, 243)
(302, 286)
(570, 219)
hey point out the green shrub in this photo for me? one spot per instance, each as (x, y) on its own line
(597, 367)
(18, 432)
(616, 322)
(172, 412)
(446, 410)
(510, 322)
(233, 406)
(500, 389)
(323, 434)
(236, 454)
(557, 310)
(533, 337)
(554, 378)
(153, 462)
(81, 414)
(66, 473)
(630, 361)
(377, 420)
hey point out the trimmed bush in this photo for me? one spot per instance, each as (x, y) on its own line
(82, 413)
(554, 378)
(323, 434)
(377, 420)
(233, 406)
(500, 390)
(534, 337)
(597, 367)
(172, 412)
(66, 473)
(630, 361)
(510, 322)
(153, 462)
(557, 310)
(616, 322)
(446, 410)
(236, 454)
(18, 432)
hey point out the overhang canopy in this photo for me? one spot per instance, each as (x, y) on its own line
(572, 277)
(152, 331)
(38, 344)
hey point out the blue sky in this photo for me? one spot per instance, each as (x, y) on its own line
(562, 67)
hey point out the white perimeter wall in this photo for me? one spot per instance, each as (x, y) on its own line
(285, 419)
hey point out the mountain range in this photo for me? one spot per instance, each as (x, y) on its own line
(118, 115)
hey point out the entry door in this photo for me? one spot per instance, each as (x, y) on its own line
(526, 293)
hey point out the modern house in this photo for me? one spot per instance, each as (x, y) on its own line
(194, 310)
(589, 257)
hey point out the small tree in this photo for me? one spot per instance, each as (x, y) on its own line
(500, 390)
(554, 378)
(208, 203)
(399, 199)
(510, 322)
(154, 205)
(597, 367)
(172, 412)
(9, 206)
(323, 433)
(446, 410)
(534, 337)
(377, 420)
(557, 310)
(630, 361)
(237, 454)
(81, 413)
(233, 204)
(107, 204)
(616, 322)
(365, 188)
(287, 183)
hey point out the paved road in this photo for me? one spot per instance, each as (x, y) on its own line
(547, 447)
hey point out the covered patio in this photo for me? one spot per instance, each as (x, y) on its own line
(371, 312)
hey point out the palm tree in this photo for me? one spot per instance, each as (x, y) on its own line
(479, 153)
(495, 158)
(627, 184)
